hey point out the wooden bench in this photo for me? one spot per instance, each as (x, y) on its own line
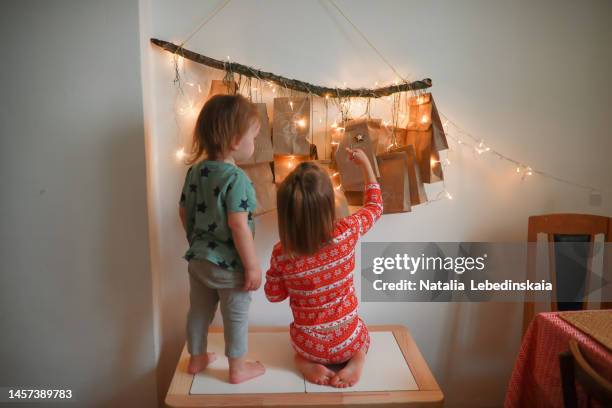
(427, 393)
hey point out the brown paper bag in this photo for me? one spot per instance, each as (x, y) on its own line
(222, 87)
(291, 126)
(358, 134)
(265, 191)
(285, 163)
(427, 158)
(264, 152)
(417, 189)
(385, 140)
(424, 116)
(394, 182)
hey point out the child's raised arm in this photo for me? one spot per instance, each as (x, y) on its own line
(372, 209)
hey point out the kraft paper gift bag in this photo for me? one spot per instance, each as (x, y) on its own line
(263, 182)
(394, 182)
(358, 134)
(290, 126)
(390, 138)
(428, 159)
(285, 163)
(264, 152)
(424, 116)
(222, 87)
(417, 189)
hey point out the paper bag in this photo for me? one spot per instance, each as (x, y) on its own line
(265, 191)
(386, 138)
(417, 189)
(285, 163)
(427, 157)
(394, 182)
(222, 87)
(358, 134)
(291, 126)
(264, 152)
(424, 116)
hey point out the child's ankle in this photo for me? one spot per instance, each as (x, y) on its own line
(236, 363)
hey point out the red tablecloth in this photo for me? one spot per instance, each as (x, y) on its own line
(536, 379)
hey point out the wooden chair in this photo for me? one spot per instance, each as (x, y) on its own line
(575, 368)
(568, 228)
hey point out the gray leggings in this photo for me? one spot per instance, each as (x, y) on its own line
(234, 310)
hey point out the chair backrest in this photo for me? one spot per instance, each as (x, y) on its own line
(564, 228)
(575, 368)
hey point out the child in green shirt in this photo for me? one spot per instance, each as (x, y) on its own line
(216, 209)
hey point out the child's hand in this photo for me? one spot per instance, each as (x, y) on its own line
(358, 156)
(252, 279)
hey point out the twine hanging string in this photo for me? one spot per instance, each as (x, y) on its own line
(363, 36)
(204, 22)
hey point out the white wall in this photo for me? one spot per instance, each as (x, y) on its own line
(531, 78)
(75, 285)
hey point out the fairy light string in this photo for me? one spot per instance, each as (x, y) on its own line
(343, 102)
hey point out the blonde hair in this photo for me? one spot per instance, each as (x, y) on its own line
(306, 209)
(223, 120)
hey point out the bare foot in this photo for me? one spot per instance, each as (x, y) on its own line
(349, 375)
(313, 372)
(199, 362)
(242, 370)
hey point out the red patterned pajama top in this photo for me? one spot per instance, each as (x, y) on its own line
(326, 327)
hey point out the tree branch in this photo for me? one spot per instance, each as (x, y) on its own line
(287, 82)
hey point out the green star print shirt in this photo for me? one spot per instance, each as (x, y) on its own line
(211, 190)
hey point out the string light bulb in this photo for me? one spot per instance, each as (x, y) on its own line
(290, 162)
(180, 153)
(480, 148)
(301, 123)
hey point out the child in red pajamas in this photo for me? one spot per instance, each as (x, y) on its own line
(313, 266)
